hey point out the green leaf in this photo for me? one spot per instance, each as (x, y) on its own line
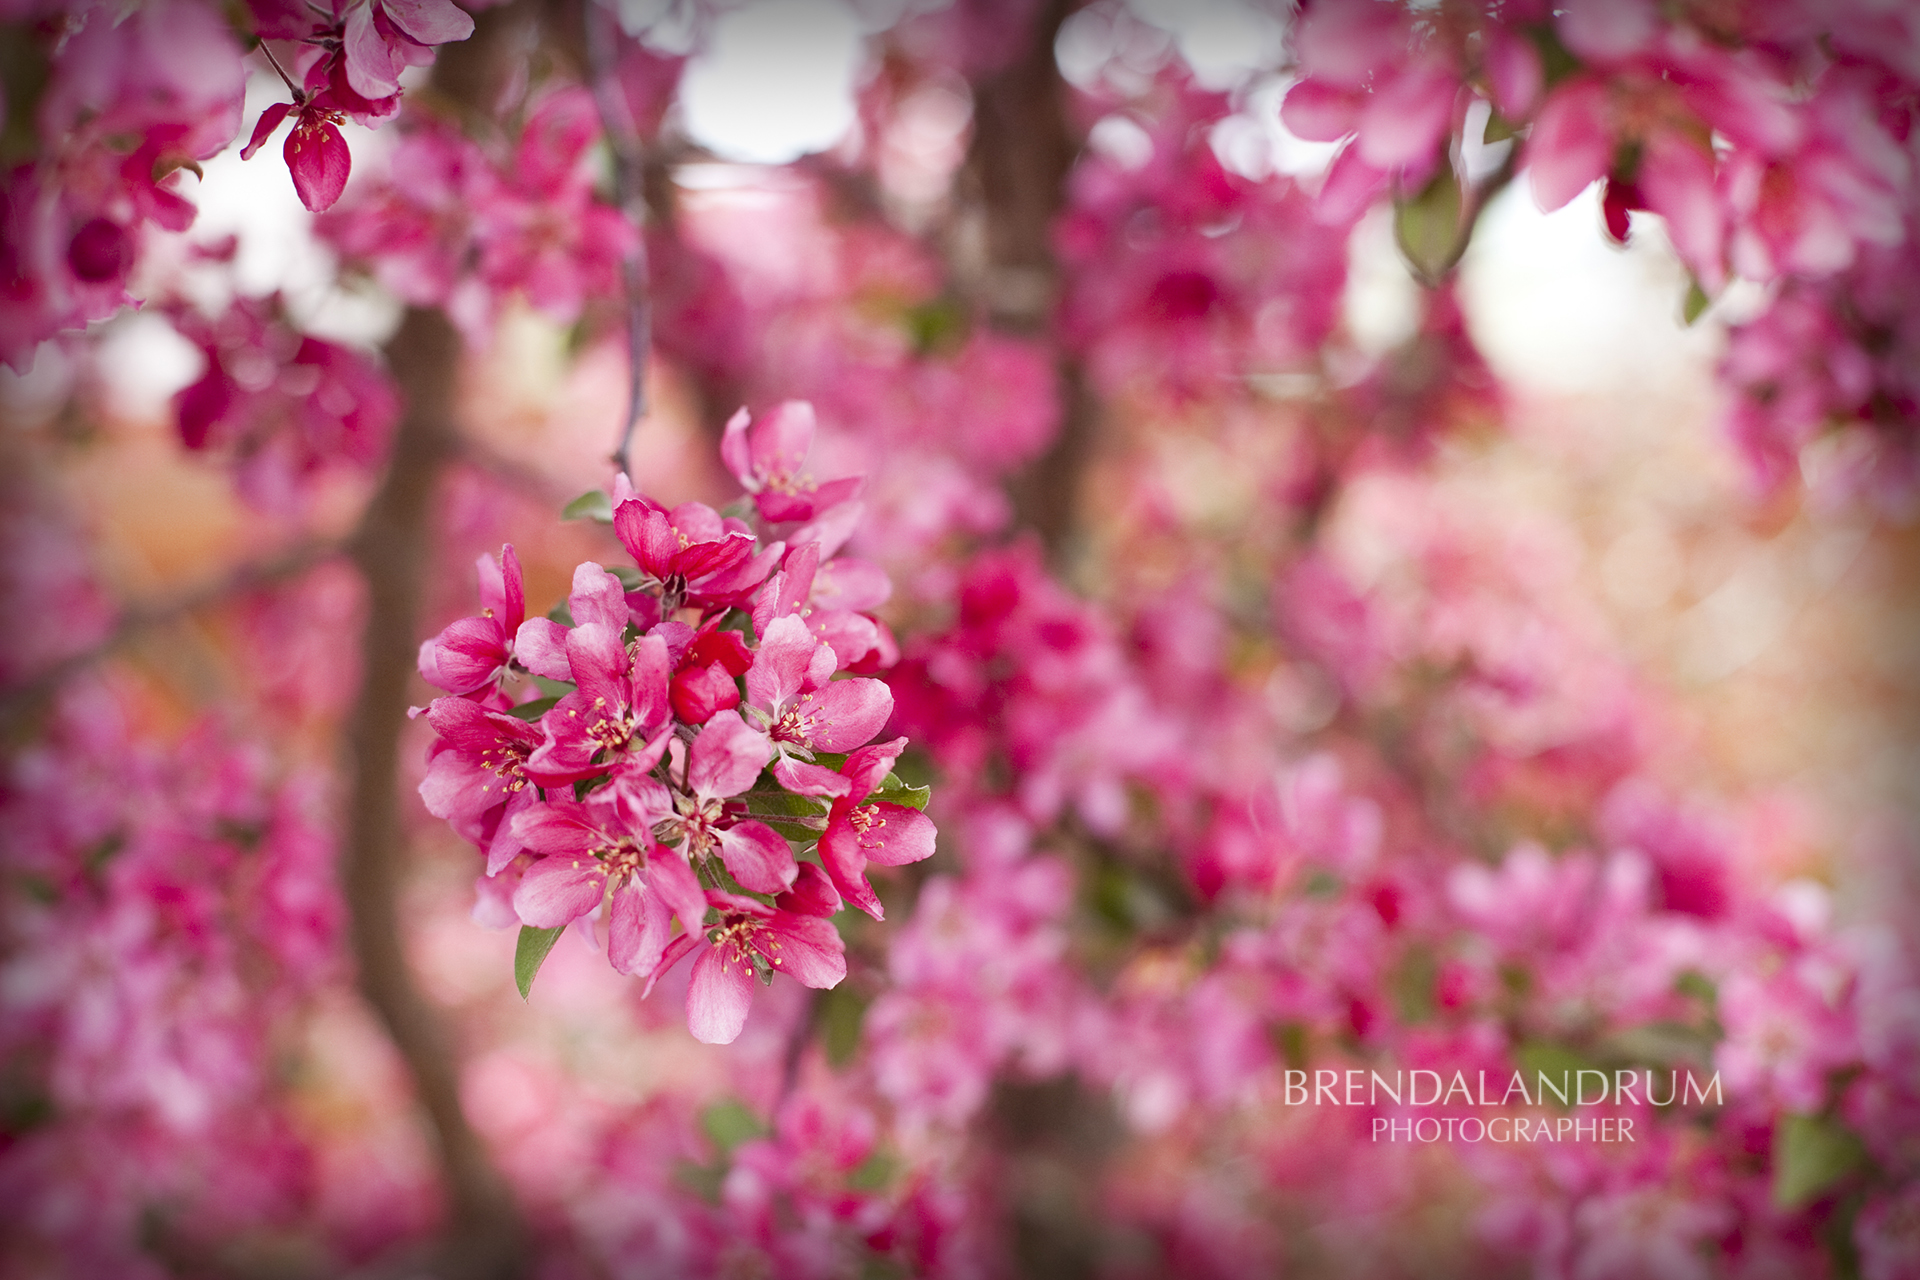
(1498, 129)
(1809, 1156)
(562, 614)
(894, 791)
(1561, 1065)
(1412, 982)
(783, 804)
(873, 1173)
(1696, 303)
(552, 688)
(1427, 227)
(842, 1011)
(591, 505)
(729, 1123)
(533, 710)
(1663, 1043)
(631, 579)
(530, 952)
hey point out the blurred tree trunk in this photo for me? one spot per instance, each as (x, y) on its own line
(485, 1238)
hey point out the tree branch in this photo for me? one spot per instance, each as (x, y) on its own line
(602, 35)
(23, 697)
(1022, 151)
(485, 1238)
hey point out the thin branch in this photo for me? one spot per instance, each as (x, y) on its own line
(299, 98)
(22, 697)
(602, 36)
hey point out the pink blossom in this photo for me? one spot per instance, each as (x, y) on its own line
(603, 849)
(475, 654)
(618, 718)
(768, 457)
(748, 940)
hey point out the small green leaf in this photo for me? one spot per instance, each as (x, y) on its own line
(591, 505)
(873, 1173)
(729, 1123)
(894, 791)
(783, 804)
(631, 579)
(1809, 1156)
(552, 688)
(1412, 982)
(561, 613)
(530, 952)
(1559, 1064)
(532, 710)
(842, 1011)
(1696, 303)
(1322, 884)
(1427, 227)
(1498, 129)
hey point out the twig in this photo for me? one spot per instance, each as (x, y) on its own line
(602, 35)
(249, 577)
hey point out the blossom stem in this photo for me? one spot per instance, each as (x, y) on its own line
(299, 98)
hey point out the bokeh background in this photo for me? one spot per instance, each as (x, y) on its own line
(1314, 666)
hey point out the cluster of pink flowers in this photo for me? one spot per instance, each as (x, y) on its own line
(1324, 764)
(1776, 146)
(282, 405)
(111, 108)
(168, 910)
(459, 226)
(1203, 276)
(73, 208)
(352, 57)
(697, 730)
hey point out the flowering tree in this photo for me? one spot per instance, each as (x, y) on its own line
(1172, 762)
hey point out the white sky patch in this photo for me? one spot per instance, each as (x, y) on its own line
(1224, 41)
(776, 82)
(1558, 307)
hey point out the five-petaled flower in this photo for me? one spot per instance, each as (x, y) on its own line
(791, 938)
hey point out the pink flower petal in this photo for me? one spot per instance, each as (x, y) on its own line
(780, 668)
(638, 933)
(758, 857)
(812, 893)
(726, 757)
(845, 714)
(319, 161)
(557, 891)
(806, 948)
(735, 452)
(370, 69)
(719, 996)
(541, 647)
(1571, 144)
(597, 596)
(429, 21)
(647, 536)
(899, 835)
(269, 121)
(670, 876)
(846, 866)
(1318, 112)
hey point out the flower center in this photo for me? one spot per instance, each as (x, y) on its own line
(612, 732)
